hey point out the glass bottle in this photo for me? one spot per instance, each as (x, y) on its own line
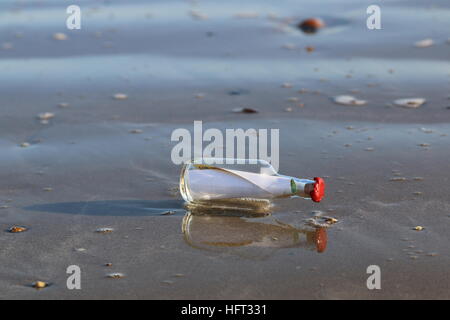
(241, 181)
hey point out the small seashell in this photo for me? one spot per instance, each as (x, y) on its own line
(418, 228)
(349, 101)
(60, 36)
(398, 179)
(311, 25)
(40, 284)
(45, 116)
(331, 220)
(410, 102)
(424, 43)
(109, 264)
(115, 275)
(48, 189)
(244, 110)
(310, 49)
(17, 229)
(120, 96)
(104, 230)
(136, 131)
(425, 145)
(24, 144)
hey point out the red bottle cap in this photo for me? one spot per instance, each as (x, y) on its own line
(319, 189)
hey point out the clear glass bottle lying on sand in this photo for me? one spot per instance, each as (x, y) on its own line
(242, 183)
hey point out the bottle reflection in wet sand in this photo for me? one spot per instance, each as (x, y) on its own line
(212, 232)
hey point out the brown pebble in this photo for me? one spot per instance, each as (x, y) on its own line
(311, 25)
(17, 229)
(40, 284)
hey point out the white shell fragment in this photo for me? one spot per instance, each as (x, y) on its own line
(120, 96)
(349, 101)
(410, 102)
(425, 43)
(45, 116)
(104, 230)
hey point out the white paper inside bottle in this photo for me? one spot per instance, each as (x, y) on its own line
(210, 184)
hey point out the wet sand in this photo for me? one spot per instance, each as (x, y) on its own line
(101, 175)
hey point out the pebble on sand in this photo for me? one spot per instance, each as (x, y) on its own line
(244, 110)
(425, 43)
(104, 230)
(59, 36)
(40, 284)
(397, 179)
(331, 220)
(349, 101)
(17, 229)
(410, 102)
(120, 96)
(46, 116)
(311, 25)
(115, 275)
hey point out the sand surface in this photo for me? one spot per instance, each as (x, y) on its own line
(85, 170)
